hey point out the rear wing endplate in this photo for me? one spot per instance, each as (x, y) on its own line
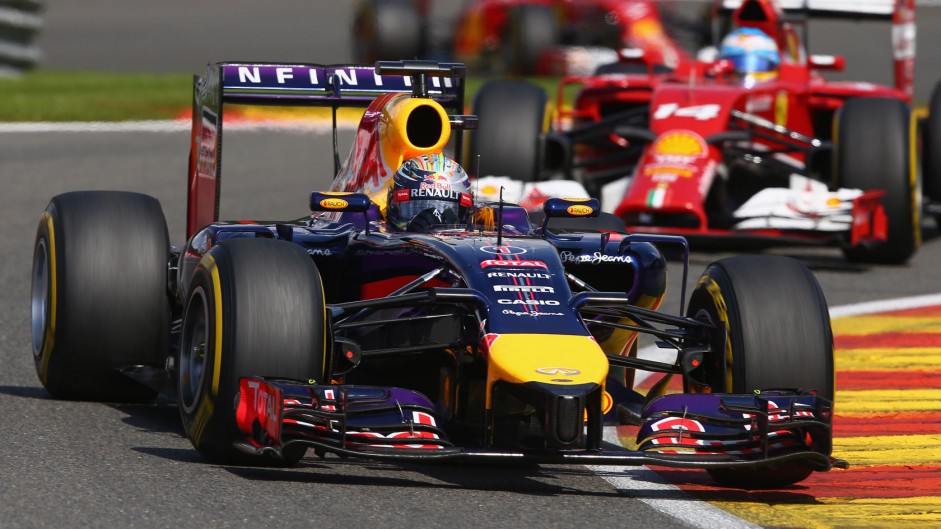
(303, 85)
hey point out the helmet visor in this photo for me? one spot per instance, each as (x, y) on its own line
(446, 211)
(753, 63)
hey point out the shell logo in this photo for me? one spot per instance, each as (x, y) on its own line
(647, 29)
(579, 210)
(680, 143)
(334, 203)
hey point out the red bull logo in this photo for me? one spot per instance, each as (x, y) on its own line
(435, 181)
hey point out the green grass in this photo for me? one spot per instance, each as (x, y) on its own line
(79, 96)
(82, 96)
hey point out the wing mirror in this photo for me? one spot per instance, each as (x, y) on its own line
(339, 201)
(571, 207)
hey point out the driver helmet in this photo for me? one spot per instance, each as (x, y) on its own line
(428, 190)
(753, 53)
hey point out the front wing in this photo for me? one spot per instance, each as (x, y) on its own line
(682, 431)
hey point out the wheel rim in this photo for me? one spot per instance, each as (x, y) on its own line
(40, 296)
(193, 349)
(726, 376)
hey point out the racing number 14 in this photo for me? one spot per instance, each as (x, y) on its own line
(700, 112)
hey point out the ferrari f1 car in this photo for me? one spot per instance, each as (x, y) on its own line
(497, 339)
(546, 37)
(700, 153)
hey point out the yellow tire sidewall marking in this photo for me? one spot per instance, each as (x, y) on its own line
(723, 313)
(50, 334)
(213, 269)
(204, 411)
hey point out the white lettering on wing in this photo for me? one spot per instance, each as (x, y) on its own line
(284, 73)
(347, 77)
(247, 75)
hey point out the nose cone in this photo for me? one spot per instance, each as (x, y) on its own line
(558, 376)
(551, 359)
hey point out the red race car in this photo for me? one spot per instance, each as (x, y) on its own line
(558, 37)
(751, 143)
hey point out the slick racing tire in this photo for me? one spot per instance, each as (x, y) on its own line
(863, 123)
(512, 116)
(387, 30)
(99, 294)
(254, 307)
(777, 336)
(931, 149)
(529, 32)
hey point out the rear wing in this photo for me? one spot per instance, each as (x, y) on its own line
(303, 85)
(830, 8)
(901, 13)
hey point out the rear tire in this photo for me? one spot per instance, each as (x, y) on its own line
(387, 30)
(511, 119)
(267, 297)
(99, 294)
(863, 123)
(778, 336)
(529, 32)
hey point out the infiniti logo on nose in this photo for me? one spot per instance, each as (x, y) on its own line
(557, 371)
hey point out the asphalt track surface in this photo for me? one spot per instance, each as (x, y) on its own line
(72, 464)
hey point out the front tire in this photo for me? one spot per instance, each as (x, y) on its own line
(99, 294)
(778, 336)
(862, 125)
(254, 307)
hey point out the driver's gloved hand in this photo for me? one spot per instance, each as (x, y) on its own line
(429, 218)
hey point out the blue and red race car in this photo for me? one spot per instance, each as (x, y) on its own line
(492, 335)
(714, 154)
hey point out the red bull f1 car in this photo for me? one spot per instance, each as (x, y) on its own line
(702, 152)
(503, 338)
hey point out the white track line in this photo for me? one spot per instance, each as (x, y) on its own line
(645, 485)
(888, 305)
